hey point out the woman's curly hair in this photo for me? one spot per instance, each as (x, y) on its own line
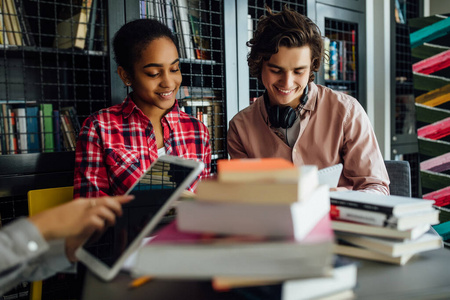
(287, 28)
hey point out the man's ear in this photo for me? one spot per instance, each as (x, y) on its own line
(124, 75)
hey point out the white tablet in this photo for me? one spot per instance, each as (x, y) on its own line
(155, 192)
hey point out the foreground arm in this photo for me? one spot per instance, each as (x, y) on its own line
(34, 248)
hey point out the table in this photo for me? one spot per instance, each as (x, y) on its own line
(425, 276)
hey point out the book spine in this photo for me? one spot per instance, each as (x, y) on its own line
(363, 206)
(21, 124)
(7, 131)
(33, 129)
(47, 127)
(24, 24)
(57, 130)
(333, 60)
(358, 215)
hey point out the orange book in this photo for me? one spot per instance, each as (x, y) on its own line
(255, 169)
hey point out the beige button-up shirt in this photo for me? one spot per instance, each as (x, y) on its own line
(334, 128)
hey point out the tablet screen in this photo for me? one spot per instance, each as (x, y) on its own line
(151, 192)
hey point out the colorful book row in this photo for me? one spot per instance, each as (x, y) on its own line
(34, 129)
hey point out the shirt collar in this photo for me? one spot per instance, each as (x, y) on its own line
(172, 117)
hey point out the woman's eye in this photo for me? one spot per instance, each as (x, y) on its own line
(175, 70)
(275, 71)
(152, 75)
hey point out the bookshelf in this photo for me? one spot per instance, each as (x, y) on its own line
(58, 58)
(404, 144)
(344, 32)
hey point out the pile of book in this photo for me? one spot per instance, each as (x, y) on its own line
(261, 222)
(390, 229)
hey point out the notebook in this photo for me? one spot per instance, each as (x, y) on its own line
(330, 175)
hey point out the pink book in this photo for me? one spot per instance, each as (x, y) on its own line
(322, 232)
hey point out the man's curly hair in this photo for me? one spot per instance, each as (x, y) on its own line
(287, 28)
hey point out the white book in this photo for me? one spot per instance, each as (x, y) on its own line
(358, 252)
(176, 254)
(341, 279)
(404, 222)
(394, 205)
(186, 29)
(411, 234)
(294, 220)
(395, 248)
(21, 125)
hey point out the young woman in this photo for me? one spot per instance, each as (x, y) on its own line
(116, 145)
(297, 119)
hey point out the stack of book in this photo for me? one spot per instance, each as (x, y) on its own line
(390, 229)
(260, 222)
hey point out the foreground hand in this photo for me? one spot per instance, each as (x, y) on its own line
(77, 220)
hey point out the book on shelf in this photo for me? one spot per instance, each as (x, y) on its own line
(71, 31)
(7, 22)
(196, 92)
(46, 127)
(91, 30)
(3, 133)
(6, 133)
(68, 131)
(343, 248)
(377, 231)
(17, 31)
(333, 60)
(388, 204)
(326, 63)
(21, 128)
(33, 129)
(186, 35)
(176, 254)
(257, 169)
(13, 144)
(201, 44)
(403, 222)
(339, 283)
(59, 144)
(28, 38)
(3, 37)
(395, 248)
(292, 220)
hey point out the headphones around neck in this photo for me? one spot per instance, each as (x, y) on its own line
(284, 116)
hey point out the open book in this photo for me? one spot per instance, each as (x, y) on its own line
(330, 175)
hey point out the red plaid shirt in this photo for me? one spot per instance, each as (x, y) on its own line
(117, 144)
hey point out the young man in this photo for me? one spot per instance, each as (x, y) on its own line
(299, 120)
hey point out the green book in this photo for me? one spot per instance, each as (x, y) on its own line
(46, 118)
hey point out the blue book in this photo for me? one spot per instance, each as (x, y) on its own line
(32, 113)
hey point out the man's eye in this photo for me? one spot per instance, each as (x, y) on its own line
(175, 70)
(275, 71)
